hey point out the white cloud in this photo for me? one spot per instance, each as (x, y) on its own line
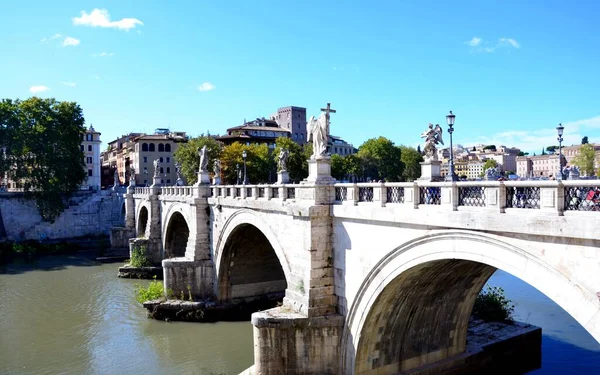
(475, 41)
(70, 42)
(46, 40)
(36, 89)
(206, 86)
(70, 84)
(508, 42)
(101, 18)
(96, 77)
(103, 54)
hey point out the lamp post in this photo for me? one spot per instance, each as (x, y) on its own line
(237, 174)
(451, 175)
(244, 155)
(560, 130)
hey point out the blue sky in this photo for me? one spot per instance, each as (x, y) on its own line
(510, 70)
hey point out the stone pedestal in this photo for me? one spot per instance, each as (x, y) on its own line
(319, 171)
(179, 274)
(283, 177)
(156, 181)
(277, 334)
(216, 181)
(431, 171)
(179, 182)
(203, 178)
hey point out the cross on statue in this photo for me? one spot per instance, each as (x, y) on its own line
(327, 111)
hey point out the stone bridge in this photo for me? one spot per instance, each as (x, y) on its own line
(375, 278)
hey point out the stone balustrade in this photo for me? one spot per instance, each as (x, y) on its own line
(183, 191)
(142, 191)
(268, 192)
(559, 196)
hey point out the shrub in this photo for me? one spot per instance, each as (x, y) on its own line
(139, 257)
(492, 305)
(153, 291)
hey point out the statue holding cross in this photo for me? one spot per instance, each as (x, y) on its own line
(318, 132)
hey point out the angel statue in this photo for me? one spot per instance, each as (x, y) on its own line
(217, 167)
(157, 168)
(433, 137)
(116, 178)
(318, 132)
(178, 170)
(203, 153)
(282, 160)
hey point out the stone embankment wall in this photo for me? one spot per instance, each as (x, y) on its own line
(88, 214)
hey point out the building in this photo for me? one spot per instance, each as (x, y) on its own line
(144, 149)
(288, 122)
(475, 169)
(113, 158)
(570, 152)
(259, 131)
(90, 146)
(539, 166)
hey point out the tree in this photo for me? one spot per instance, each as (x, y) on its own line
(353, 166)
(584, 140)
(381, 159)
(490, 147)
(259, 161)
(551, 149)
(43, 154)
(419, 150)
(411, 159)
(189, 160)
(543, 152)
(489, 163)
(338, 170)
(474, 149)
(297, 164)
(521, 153)
(585, 159)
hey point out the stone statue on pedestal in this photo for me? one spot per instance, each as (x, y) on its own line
(157, 168)
(318, 132)
(433, 137)
(492, 174)
(217, 167)
(116, 178)
(203, 153)
(282, 160)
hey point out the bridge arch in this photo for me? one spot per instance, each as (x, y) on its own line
(176, 230)
(250, 261)
(394, 324)
(142, 219)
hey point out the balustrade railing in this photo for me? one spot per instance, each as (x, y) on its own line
(274, 192)
(523, 197)
(473, 196)
(248, 192)
(394, 194)
(365, 194)
(582, 198)
(261, 192)
(341, 193)
(430, 195)
(291, 193)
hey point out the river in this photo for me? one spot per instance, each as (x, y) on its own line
(69, 315)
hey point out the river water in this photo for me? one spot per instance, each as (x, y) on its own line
(68, 315)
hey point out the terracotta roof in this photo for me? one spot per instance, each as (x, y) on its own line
(263, 128)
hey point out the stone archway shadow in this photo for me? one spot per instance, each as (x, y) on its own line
(142, 220)
(433, 254)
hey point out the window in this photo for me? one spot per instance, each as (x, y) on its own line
(81, 147)
(162, 170)
(145, 159)
(145, 170)
(168, 169)
(161, 159)
(168, 181)
(161, 147)
(145, 182)
(144, 147)
(89, 147)
(89, 137)
(168, 159)
(90, 173)
(162, 181)
(152, 148)
(167, 147)
(89, 160)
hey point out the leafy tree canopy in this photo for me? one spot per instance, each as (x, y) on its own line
(551, 149)
(297, 164)
(411, 159)
(381, 159)
(490, 163)
(43, 154)
(584, 140)
(189, 160)
(259, 162)
(585, 159)
(490, 147)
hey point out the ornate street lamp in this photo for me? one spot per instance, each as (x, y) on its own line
(237, 174)
(244, 155)
(451, 175)
(560, 130)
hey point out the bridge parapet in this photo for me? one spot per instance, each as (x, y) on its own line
(501, 196)
(281, 192)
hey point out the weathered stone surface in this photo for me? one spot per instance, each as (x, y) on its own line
(130, 272)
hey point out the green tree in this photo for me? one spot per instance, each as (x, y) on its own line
(584, 140)
(490, 147)
(551, 149)
(43, 140)
(353, 166)
(338, 170)
(189, 160)
(521, 153)
(585, 159)
(259, 161)
(411, 159)
(489, 163)
(297, 161)
(381, 159)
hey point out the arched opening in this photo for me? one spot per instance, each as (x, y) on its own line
(168, 147)
(250, 270)
(142, 222)
(420, 317)
(145, 147)
(161, 147)
(152, 147)
(177, 236)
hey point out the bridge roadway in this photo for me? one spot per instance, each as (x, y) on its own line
(378, 278)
